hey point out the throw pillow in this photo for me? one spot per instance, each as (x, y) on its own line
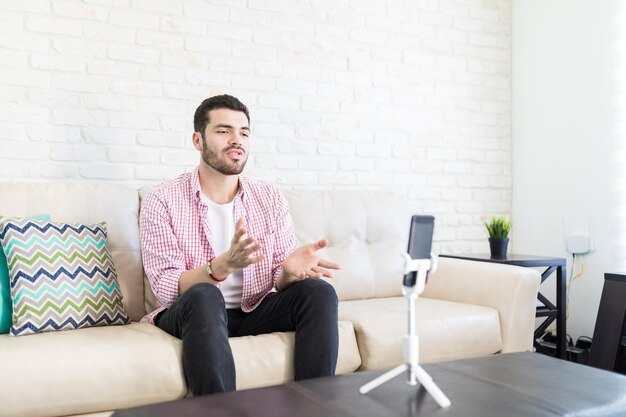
(6, 309)
(62, 276)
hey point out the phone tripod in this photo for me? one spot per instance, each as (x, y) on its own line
(411, 340)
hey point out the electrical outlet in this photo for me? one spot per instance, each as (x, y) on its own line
(578, 233)
(578, 244)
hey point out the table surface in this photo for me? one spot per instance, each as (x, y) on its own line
(511, 259)
(506, 385)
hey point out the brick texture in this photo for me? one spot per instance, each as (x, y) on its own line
(404, 95)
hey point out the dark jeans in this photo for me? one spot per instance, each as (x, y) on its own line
(200, 319)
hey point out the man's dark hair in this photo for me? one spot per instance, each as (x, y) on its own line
(224, 101)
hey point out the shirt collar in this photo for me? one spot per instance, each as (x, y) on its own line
(195, 185)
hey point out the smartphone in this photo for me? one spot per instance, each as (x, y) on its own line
(420, 242)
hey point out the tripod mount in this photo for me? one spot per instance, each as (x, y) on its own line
(411, 290)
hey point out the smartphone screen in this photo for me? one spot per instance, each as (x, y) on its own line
(420, 242)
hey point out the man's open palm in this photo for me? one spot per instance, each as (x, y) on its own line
(304, 262)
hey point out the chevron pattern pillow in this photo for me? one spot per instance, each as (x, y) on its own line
(62, 276)
(6, 307)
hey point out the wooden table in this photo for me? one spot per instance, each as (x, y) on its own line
(521, 384)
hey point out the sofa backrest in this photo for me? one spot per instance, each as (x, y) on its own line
(80, 202)
(367, 233)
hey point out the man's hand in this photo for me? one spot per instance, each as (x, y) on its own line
(304, 263)
(240, 254)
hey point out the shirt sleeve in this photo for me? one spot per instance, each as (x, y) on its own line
(286, 241)
(163, 261)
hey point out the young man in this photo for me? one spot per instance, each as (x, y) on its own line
(222, 259)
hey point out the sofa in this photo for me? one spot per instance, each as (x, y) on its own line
(469, 309)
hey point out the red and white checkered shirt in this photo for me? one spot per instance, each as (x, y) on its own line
(175, 236)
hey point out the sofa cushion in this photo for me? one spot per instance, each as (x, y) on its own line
(367, 233)
(446, 330)
(88, 370)
(90, 202)
(62, 276)
(267, 359)
(132, 365)
(6, 306)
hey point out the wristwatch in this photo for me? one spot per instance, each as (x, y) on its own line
(210, 272)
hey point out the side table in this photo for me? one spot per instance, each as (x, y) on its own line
(549, 311)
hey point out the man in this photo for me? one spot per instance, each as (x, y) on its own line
(222, 259)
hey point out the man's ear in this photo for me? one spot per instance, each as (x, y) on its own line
(196, 138)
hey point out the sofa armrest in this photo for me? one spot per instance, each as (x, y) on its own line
(511, 290)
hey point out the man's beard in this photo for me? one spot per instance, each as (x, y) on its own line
(223, 167)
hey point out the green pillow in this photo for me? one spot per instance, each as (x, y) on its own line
(6, 309)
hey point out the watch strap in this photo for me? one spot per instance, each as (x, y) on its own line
(209, 270)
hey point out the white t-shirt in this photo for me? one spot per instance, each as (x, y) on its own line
(221, 218)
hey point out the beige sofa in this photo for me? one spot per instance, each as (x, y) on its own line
(468, 309)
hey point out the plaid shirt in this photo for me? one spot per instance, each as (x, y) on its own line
(175, 236)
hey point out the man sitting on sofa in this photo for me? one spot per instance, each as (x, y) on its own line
(222, 258)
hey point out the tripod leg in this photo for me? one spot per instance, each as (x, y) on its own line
(432, 388)
(382, 379)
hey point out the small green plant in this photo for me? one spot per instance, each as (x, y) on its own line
(498, 227)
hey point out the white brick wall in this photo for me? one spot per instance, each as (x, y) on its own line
(409, 95)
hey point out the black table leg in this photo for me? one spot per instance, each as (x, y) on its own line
(561, 305)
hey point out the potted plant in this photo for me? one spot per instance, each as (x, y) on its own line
(498, 228)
